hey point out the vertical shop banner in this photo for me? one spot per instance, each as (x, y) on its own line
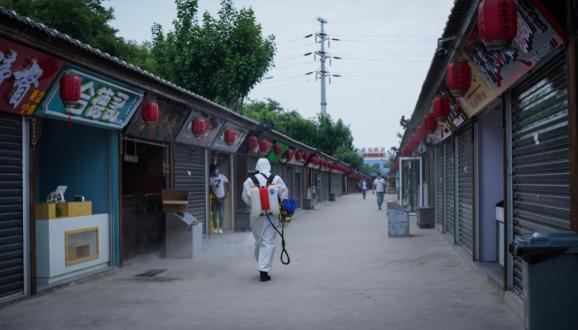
(25, 75)
(213, 126)
(537, 39)
(219, 141)
(479, 95)
(103, 102)
(171, 119)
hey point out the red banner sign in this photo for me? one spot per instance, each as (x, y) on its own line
(25, 75)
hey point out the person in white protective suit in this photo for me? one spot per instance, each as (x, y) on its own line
(263, 231)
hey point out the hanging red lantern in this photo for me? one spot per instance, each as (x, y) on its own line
(264, 145)
(198, 127)
(289, 154)
(306, 156)
(229, 136)
(150, 112)
(430, 123)
(441, 107)
(277, 150)
(253, 143)
(459, 78)
(69, 89)
(497, 23)
(298, 155)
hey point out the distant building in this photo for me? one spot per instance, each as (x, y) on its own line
(376, 158)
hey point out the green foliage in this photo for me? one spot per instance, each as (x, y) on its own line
(221, 58)
(333, 138)
(85, 20)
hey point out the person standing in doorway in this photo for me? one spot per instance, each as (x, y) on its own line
(219, 190)
(363, 185)
(263, 231)
(379, 189)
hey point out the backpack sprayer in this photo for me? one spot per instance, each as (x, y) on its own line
(268, 205)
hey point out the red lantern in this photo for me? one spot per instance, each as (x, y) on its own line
(298, 155)
(150, 112)
(289, 154)
(458, 78)
(253, 143)
(441, 107)
(306, 156)
(264, 145)
(497, 23)
(429, 121)
(277, 150)
(230, 136)
(69, 88)
(198, 127)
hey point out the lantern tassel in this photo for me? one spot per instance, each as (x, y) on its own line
(69, 121)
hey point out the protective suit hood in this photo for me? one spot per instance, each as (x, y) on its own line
(263, 166)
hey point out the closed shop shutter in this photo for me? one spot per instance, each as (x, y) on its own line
(289, 181)
(449, 187)
(190, 175)
(439, 188)
(465, 178)
(11, 216)
(540, 156)
(325, 186)
(298, 186)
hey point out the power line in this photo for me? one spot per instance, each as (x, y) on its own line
(284, 85)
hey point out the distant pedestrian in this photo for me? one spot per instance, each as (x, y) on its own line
(219, 190)
(363, 185)
(379, 189)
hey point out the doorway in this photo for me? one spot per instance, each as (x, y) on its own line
(491, 191)
(143, 177)
(223, 162)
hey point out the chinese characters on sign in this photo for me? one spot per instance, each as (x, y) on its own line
(25, 75)
(102, 102)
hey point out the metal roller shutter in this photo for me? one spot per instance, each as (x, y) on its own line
(289, 181)
(190, 175)
(540, 156)
(449, 187)
(325, 186)
(439, 174)
(11, 209)
(298, 186)
(465, 159)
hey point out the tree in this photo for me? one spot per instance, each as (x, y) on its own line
(90, 25)
(221, 58)
(332, 137)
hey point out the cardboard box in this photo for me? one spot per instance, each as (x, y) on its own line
(175, 200)
(45, 211)
(74, 209)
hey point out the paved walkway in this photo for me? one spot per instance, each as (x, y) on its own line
(345, 274)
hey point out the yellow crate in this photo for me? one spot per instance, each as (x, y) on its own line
(45, 211)
(74, 209)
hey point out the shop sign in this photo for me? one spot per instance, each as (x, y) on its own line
(537, 39)
(165, 129)
(102, 103)
(443, 131)
(479, 95)
(219, 141)
(212, 129)
(25, 75)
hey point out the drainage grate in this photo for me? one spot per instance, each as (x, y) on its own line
(151, 273)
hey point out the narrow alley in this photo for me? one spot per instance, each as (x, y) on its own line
(345, 274)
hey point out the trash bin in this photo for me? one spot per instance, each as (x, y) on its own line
(425, 217)
(397, 221)
(550, 272)
(332, 197)
(183, 236)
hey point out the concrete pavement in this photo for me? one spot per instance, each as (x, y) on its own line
(345, 274)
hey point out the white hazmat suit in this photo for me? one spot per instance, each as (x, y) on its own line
(263, 232)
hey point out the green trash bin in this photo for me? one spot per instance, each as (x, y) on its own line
(550, 272)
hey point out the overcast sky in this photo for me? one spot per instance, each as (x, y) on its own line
(386, 46)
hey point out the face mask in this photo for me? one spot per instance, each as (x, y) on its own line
(216, 173)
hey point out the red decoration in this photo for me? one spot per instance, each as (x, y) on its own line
(253, 142)
(459, 78)
(298, 155)
(199, 127)
(69, 88)
(441, 107)
(277, 150)
(497, 23)
(264, 145)
(289, 154)
(306, 156)
(229, 136)
(429, 121)
(150, 112)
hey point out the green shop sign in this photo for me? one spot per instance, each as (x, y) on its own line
(102, 103)
(274, 159)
